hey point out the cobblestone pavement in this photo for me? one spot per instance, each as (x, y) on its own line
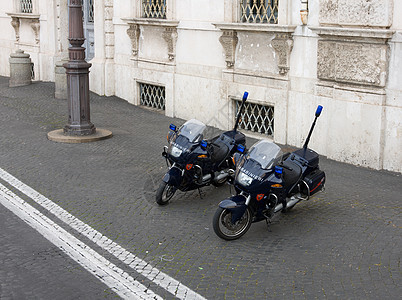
(31, 267)
(343, 244)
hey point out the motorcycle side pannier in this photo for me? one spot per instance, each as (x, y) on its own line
(316, 181)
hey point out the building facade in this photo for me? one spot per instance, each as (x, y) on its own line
(195, 58)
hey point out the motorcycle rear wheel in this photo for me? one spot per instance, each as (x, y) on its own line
(164, 193)
(225, 229)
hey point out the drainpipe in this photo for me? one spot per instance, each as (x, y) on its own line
(304, 11)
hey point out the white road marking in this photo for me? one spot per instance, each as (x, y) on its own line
(115, 278)
(170, 284)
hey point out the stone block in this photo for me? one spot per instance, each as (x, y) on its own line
(20, 69)
(356, 12)
(357, 63)
(60, 81)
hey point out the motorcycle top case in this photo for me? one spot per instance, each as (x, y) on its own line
(309, 156)
(315, 180)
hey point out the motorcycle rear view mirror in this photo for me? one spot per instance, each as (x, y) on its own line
(172, 127)
(318, 111)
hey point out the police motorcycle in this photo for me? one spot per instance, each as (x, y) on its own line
(194, 162)
(268, 181)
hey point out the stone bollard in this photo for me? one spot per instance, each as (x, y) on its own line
(20, 69)
(60, 81)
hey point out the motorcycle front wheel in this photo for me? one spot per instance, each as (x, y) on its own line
(225, 229)
(164, 193)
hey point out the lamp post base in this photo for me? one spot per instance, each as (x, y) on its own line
(60, 137)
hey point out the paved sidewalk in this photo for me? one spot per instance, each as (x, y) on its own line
(343, 244)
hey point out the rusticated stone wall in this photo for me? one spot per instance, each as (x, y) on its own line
(354, 59)
(353, 47)
(373, 13)
(352, 62)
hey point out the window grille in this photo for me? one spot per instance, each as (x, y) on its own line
(90, 11)
(26, 6)
(154, 9)
(257, 118)
(259, 11)
(32, 71)
(152, 96)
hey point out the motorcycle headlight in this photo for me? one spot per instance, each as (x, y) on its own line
(244, 179)
(176, 152)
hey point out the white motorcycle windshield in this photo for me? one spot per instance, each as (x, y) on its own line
(193, 130)
(265, 153)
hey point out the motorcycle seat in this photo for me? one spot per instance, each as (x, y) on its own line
(291, 174)
(218, 151)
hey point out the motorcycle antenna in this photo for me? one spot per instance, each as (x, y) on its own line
(245, 95)
(317, 114)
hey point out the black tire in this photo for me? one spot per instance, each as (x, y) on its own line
(225, 229)
(164, 193)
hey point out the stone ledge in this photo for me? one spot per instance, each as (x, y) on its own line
(274, 28)
(24, 15)
(60, 137)
(151, 22)
(382, 35)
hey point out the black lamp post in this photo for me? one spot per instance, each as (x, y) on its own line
(79, 128)
(77, 70)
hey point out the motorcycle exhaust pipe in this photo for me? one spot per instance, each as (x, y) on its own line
(292, 202)
(289, 203)
(221, 176)
(206, 178)
(278, 207)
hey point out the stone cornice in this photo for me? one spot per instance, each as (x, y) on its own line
(24, 15)
(381, 35)
(274, 28)
(151, 22)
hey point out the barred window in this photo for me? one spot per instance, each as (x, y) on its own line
(26, 6)
(32, 71)
(257, 118)
(90, 11)
(152, 96)
(259, 11)
(154, 9)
